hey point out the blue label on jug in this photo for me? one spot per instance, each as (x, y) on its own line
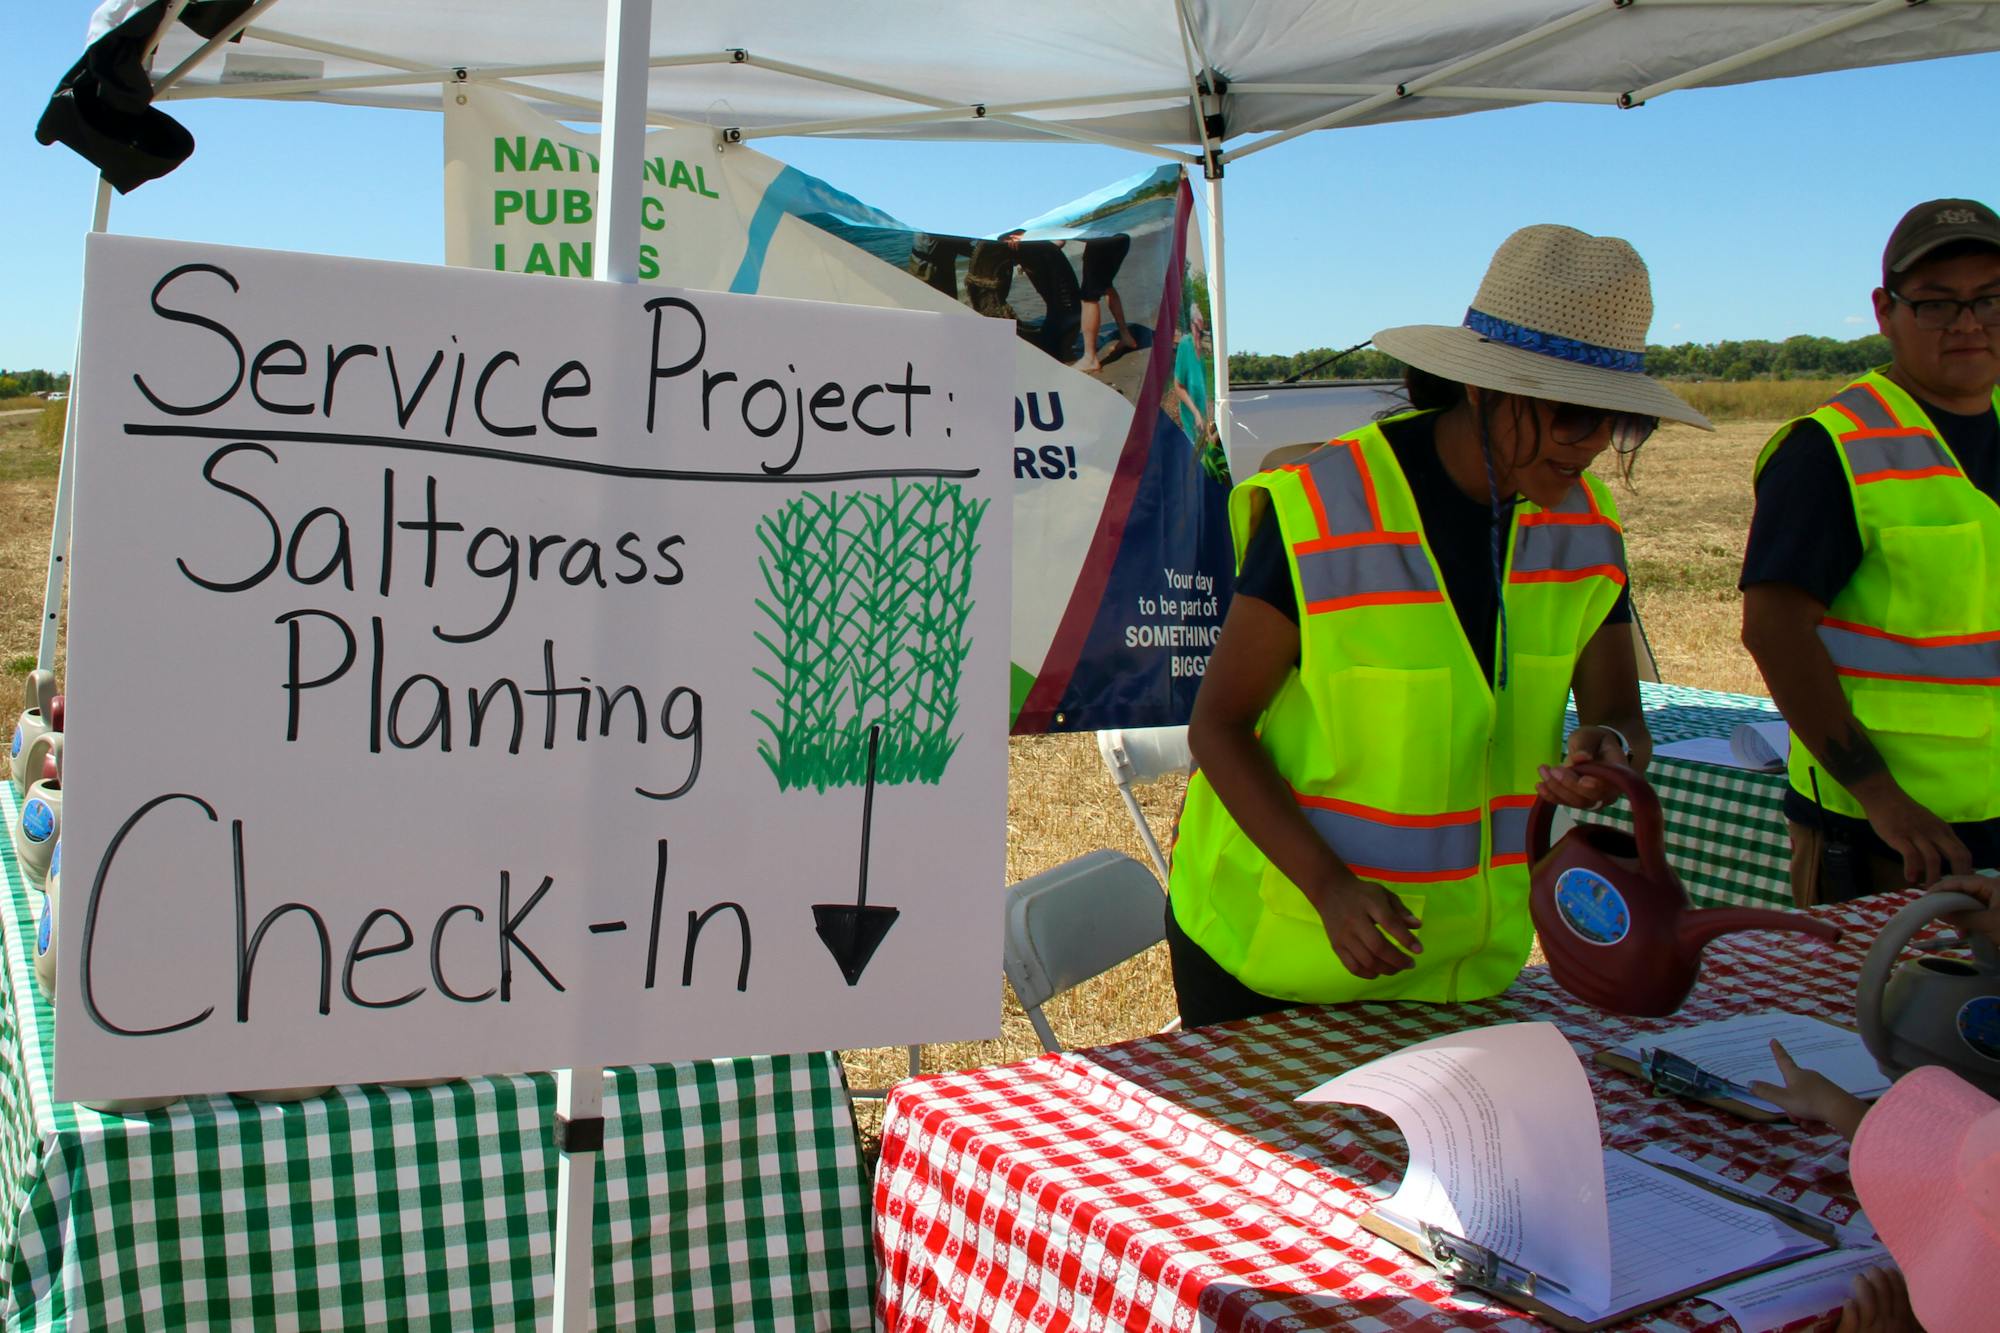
(1591, 907)
(1979, 1025)
(15, 753)
(55, 863)
(38, 821)
(48, 925)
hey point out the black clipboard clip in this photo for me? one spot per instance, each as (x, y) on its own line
(1682, 1077)
(1468, 1264)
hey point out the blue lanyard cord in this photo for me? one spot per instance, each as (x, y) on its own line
(1499, 580)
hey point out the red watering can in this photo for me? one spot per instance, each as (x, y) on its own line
(1612, 915)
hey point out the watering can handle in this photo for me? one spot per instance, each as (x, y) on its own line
(48, 743)
(38, 691)
(1882, 958)
(1649, 828)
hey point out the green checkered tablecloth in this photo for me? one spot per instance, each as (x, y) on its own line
(730, 1195)
(1725, 826)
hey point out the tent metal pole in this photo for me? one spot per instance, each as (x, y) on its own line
(579, 1127)
(52, 592)
(1218, 328)
(209, 47)
(1791, 41)
(1437, 77)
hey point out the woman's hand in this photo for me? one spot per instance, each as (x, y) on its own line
(1810, 1095)
(1984, 922)
(1563, 785)
(1361, 918)
(1880, 1304)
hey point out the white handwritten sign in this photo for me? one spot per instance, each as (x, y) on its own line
(473, 673)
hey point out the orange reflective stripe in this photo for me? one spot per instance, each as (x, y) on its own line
(1352, 561)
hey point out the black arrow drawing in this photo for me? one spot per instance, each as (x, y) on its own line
(852, 931)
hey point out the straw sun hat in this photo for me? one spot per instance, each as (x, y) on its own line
(1560, 315)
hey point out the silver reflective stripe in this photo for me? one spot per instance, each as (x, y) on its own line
(1949, 662)
(1510, 830)
(1896, 453)
(1369, 844)
(1353, 571)
(1865, 407)
(1539, 547)
(1336, 475)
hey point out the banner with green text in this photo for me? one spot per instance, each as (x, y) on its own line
(1122, 564)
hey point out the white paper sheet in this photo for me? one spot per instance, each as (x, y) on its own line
(1669, 1234)
(1505, 1152)
(1504, 1147)
(1739, 1049)
(1753, 745)
(1855, 1232)
(1811, 1286)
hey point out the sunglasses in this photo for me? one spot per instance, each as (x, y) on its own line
(1572, 423)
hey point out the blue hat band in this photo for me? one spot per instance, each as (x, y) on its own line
(1555, 345)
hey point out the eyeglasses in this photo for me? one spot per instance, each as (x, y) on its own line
(1942, 314)
(1573, 423)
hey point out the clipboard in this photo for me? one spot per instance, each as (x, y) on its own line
(1627, 1065)
(1465, 1264)
(1689, 1088)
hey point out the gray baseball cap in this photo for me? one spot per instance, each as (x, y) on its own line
(1939, 222)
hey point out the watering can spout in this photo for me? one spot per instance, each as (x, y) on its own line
(1699, 928)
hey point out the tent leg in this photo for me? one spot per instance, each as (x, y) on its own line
(52, 592)
(1218, 326)
(628, 37)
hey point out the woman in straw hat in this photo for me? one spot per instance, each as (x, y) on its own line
(1416, 602)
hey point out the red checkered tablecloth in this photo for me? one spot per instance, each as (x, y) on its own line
(1173, 1182)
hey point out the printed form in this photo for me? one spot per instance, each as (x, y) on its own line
(1505, 1153)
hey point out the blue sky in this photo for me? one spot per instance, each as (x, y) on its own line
(1761, 210)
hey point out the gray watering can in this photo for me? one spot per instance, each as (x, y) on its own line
(38, 696)
(40, 824)
(1932, 1011)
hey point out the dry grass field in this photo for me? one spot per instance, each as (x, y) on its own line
(1686, 510)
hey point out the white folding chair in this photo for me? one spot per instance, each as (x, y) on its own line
(1143, 754)
(1069, 924)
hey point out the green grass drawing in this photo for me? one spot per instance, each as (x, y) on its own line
(869, 598)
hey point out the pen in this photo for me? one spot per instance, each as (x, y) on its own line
(1817, 1227)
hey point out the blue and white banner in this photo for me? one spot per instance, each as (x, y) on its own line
(1122, 565)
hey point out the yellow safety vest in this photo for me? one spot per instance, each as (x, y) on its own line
(1915, 634)
(1397, 749)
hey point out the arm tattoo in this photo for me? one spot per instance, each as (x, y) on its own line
(1852, 757)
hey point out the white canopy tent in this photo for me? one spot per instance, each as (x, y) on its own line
(1202, 81)
(1205, 82)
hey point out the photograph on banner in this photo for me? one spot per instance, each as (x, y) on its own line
(471, 674)
(1122, 567)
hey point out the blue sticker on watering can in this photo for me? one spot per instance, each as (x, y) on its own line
(1979, 1025)
(48, 925)
(38, 821)
(1591, 907)
(16, 751)
(55, 862)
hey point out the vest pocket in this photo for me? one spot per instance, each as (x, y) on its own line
(1392, 736)
(1936, 573)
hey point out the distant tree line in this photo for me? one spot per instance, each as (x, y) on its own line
(20, 383)
(1799, 357)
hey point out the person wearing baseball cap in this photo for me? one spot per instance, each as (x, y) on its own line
(1415, 602)
(1871, 580)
